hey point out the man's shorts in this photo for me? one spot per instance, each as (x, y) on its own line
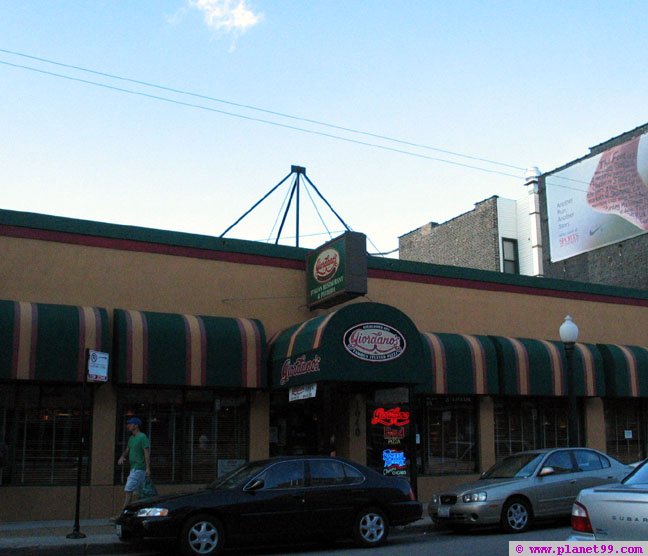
(135, 480)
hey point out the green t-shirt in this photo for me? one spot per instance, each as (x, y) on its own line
(136, 445)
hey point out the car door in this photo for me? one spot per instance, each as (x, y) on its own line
(557, 490)
(278, 508)
(335, 489)
(595, 468)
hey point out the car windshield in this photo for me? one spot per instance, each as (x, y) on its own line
(517, 465)
(238, 477)
(639, 476)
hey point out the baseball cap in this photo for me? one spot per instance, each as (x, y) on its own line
(134, 421)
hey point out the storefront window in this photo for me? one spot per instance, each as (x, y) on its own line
(40, 434)
(448, 436)
(528, 424)
(625, 429)
(195, 435)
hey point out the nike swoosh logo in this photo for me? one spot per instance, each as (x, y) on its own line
(592, 232)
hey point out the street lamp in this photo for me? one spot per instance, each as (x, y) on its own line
(568, 336)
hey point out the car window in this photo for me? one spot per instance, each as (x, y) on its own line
(286, 474)
(638, 476)
(517, 465)
(560, 461)
(586, 460)
(326, 473)
(352, 475)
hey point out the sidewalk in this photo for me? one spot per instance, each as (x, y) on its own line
(49, 538)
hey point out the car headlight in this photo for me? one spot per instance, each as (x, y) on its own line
(153, 512)
(474, 497)
(434, 499)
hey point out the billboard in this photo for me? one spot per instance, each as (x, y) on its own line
(598, 201)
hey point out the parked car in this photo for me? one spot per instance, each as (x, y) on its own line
(525, 486)
(613, 512)
(296, 498)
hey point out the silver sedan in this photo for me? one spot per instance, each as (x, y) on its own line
(526, 486)
(614, 512)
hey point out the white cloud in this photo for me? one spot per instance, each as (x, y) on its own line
(229, 16)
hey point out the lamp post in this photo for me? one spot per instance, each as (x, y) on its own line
(568, 336)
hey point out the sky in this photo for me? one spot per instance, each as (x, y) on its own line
(182, 114)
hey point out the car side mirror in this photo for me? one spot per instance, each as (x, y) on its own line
(256, 485)
(546, 471)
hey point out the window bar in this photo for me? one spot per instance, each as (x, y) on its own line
(174, 422)
(53, 457)
(24, 451)
(191, 447)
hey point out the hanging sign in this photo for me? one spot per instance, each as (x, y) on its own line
(302, 392)
(337, 271)
(98, 366)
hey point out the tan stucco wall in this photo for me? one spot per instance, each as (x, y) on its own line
(50, 272)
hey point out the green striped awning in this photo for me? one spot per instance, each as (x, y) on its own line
(175, 349)
(361, 342)
(460, 364)
(626, 370)
(538, 368)
(39, 341)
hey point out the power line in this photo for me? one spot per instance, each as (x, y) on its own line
(255, 108)
(282, 125)
(260, 120)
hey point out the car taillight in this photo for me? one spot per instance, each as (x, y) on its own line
(411, 495)
(580, 519)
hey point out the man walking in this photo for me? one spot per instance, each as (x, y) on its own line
(138, 452)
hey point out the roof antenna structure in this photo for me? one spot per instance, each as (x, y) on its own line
(298, 172)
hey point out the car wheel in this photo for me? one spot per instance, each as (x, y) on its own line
(202, 534)
(516, 516)
(370, 528)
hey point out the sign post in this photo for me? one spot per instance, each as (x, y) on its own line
(97, 371)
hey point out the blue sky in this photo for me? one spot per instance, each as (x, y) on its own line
(520, 83)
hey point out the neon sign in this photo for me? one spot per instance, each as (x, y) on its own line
(390, 417)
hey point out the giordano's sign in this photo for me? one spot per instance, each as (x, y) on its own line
(337, 271)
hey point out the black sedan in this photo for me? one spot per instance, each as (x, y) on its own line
(289, 498)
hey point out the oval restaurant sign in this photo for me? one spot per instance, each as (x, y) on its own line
(326, 265)
(374, 341)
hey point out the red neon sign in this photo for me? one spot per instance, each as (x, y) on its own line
(390, 417)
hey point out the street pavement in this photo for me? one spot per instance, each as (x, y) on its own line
(49, 538)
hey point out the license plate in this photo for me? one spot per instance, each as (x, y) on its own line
(119, 530)
(444, 511)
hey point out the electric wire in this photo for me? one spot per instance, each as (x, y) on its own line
(258, 109)
(283, 125)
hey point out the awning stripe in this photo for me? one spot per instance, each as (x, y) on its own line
(439, 361)
(478, 363)
(633, 375)
(25, 340)
(251, 350)
(320, 330)
(522, 362)
(196, 348)
(557, 371)
(137, 355)
(293, 338)
(588, 370)
(90, 334)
